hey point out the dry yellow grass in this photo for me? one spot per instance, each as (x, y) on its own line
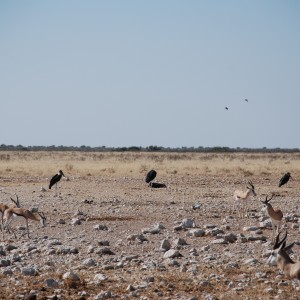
(121, 164)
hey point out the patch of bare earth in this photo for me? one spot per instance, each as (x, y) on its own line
(112, 226)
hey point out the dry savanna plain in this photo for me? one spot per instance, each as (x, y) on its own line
(108, 235)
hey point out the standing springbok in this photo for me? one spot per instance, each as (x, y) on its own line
(279, 255)
(242, 197)
(22, 213)
(275, 214)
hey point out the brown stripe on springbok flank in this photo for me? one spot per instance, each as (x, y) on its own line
(111, 218)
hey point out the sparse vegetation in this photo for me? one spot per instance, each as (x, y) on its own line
(109, 189)
(120, 164)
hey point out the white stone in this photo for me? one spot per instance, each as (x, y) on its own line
(99, 278)
(172, 253)
(188, 223)
(70, 275)
(165, 245)
(197, 232)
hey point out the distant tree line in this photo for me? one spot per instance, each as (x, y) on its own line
(200, 149)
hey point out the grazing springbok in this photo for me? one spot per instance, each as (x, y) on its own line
(4, 207)
(18, 212)
(279, 255)
(242, 197)
(275, 214)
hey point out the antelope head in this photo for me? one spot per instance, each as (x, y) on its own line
(266, 202)
(250, 187)
(277, 248)
(60, 172)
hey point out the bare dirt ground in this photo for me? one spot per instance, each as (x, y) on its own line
(108, 229)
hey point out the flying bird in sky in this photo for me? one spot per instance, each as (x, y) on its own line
(284, 179)
(226, 108)
(246, 100)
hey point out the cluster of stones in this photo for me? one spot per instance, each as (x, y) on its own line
(93, 262)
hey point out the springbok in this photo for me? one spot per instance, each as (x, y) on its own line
(279, 255)
(242, 197)
(12, 212)
(276, 216)
(4, 207)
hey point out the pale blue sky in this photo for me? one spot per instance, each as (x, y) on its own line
(159, 72)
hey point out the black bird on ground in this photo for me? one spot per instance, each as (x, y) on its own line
(157, 185)
(56, 178)
(150, 176)
(284, 179)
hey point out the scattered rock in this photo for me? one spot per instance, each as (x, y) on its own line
(29, 271)
(188, 223)
(250, 228)
(89, 262)
(70, 277)
(100, 227)
(105, 251)
(179, 242)
(75, 221)
(172, 253)
(98, 278)
(137, 237)
(5, 262)
(165, 246)
(196, 232)
(251, 261)
(51, 283)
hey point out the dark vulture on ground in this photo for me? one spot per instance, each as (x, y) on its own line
(284, 179)
(157, 185)
(150, 176)
(56, 178)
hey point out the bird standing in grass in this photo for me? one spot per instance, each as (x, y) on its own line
(284, 179)
(56, 178)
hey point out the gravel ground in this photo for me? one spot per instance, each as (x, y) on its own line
(116, 238)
